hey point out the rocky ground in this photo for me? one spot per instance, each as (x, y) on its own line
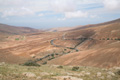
(56, 72)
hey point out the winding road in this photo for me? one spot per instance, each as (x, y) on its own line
(60, 54)
(63, 38)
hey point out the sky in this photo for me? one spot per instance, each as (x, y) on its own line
(43, 14)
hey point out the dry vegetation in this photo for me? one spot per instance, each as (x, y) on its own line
(55, 72)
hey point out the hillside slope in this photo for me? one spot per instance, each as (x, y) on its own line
(7, 29)
(102, 51)
(92, 46)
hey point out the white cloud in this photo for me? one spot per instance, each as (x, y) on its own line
(61, 19)
(76, 14)
(41, 14)
(29, 7)
(17, 12)
(63, 5)
(94, 16)
(89, 1)
(22, 7)
(112, 4)
(70, 8)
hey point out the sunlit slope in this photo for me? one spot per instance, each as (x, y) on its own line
(102, 51)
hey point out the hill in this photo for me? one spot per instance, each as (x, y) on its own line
(55, 72)
(62, 29)
(102, 51)
(7, 29)
(89, 46)
(97, 25)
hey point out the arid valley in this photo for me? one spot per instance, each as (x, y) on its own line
(90, 52)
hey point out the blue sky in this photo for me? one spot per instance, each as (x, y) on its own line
(43, 14)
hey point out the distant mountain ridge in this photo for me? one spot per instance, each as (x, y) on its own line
(7, 29)
(97, 25)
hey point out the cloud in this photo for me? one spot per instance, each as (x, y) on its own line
(61, 19)
(41, 14)
(63, 5)
(22, 7)
(76, 14)
(17, 12)
(94, 16)
(68, 8)
(112, 4)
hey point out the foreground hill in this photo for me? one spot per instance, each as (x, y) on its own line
(54, 72)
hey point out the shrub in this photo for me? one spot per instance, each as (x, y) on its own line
(68, 52)
(60, 67)
(77, 50)
(30, 63)
(56, 54)
(108, 39)
(49, 59)
(75, 68)
(118, 72)
(52, 55)
(16, 38)
(65, 49)
(44, 63)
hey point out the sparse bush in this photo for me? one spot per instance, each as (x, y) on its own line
(108, 39)
(60, 67)
(53, 58)
(68, 52)
(44, 63)
(77, 50)
(75, 68)
(40, 59)
(16, 38)
(65, 49)
(52, 55)
(49, 59)
(56, 54)
(71, 48)
(118, 72)
(30, 63)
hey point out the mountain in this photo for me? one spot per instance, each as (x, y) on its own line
(97, 25)
(62, 29)
(7, 29)
(102, 51)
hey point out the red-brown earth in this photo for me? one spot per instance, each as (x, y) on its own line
(100, 46)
